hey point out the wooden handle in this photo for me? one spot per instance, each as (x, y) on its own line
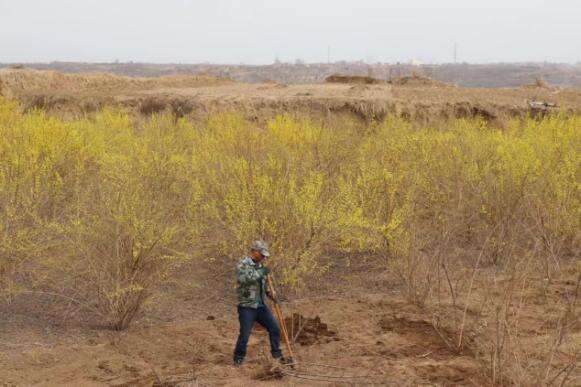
(280, 318)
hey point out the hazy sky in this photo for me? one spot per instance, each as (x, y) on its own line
(256, 31)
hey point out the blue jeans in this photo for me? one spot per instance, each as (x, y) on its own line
(263, 316)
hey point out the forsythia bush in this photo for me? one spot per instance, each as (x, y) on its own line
(107, 209)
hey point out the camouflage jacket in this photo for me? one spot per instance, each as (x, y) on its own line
(252, 287)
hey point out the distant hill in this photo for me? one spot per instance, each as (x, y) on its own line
(468, 75)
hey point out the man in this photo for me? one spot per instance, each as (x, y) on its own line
(252, 292)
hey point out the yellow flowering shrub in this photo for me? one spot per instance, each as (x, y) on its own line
(110, 207)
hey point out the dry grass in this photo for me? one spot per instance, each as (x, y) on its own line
(18, 82)
(353, 79)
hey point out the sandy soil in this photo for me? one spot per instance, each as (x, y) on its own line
(362, 332)
(375, 339)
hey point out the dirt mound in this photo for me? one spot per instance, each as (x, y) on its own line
(18, 82)
(417, 80)
(353, 79)
(309, 331)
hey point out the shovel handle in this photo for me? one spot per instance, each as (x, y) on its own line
(280, 317)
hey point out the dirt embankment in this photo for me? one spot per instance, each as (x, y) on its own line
(413, 80)
(418, 99)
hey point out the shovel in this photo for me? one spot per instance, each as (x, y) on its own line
(280, 318)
